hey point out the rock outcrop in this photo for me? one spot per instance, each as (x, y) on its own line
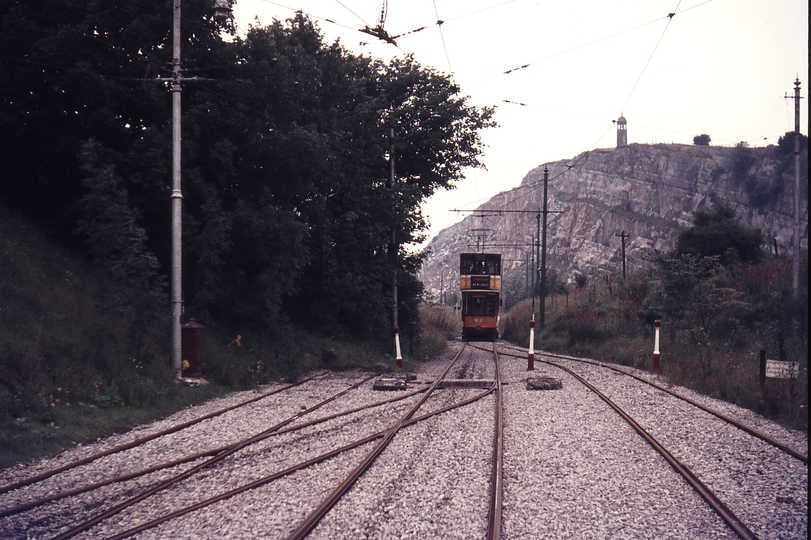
(648, 192)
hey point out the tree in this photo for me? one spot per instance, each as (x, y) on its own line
(697, 291)
(702, 140)
(786, 143)
(717, 233)
(287, 212)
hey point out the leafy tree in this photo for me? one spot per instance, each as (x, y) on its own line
(702, 140)
(698, 296)
(717, 233)
(287, 210)
(764, 191)
(784, 171)
(554, 283)
(786, 142)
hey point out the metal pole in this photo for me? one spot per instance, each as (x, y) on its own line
(177, 196)
(542, 320)
(795, 258)
(393, 254)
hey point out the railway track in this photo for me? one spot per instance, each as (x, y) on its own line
(449, 457)
(204, 460)
(655, 421)
(215, 456)
(738, 424)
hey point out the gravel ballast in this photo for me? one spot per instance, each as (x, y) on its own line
(573, 468)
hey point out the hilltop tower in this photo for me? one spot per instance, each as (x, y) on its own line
(622, 132)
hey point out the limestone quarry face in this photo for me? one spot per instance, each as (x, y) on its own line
(647, 192)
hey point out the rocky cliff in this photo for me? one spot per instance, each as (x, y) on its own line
(648, 192)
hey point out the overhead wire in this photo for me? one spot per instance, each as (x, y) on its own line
(544, 59)
(582, 155)
(439, 23)
(669, 20)
(531, 188)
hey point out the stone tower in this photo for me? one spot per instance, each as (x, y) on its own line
(622, 132)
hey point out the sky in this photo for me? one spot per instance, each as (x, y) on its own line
(560, 72)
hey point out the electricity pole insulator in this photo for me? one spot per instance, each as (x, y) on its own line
(222, 10)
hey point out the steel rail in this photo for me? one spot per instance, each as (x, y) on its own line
(751, 431)
(141, 440)
(312, 520)
(497, 476)
(90, 487)
(715, 503)
(275, 476)
(219, 457)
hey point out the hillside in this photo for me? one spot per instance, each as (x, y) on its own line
(647, 191)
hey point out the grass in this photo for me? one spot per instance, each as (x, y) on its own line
(609, 322)
(62, 426)
(75, 366)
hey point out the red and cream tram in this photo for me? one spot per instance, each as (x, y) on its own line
(480, 281)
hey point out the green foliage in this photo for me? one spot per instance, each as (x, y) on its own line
(717, 312)
(784, 169)
(287, 210)
(722, 362)
(514, 323)
(719, 302)
(555, 285)
(697, 291)
(702, 140)
(584, 325)
(785, 143)
(438, 324)
(761, 191)
(717, 233)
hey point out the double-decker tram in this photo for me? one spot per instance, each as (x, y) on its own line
(480, 281)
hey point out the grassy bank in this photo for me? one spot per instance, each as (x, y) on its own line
(77, 364)
(612, 322)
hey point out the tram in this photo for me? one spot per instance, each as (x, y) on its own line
(480, 281)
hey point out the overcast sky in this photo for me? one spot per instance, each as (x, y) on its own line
(721, 67)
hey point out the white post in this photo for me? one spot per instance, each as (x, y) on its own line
(397, 346)
(531, 354)
(657, 323)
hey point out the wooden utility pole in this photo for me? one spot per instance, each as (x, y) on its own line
(536, 260)
(542, 318)
(623, 236)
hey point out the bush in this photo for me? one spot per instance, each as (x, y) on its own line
(584, 325)
(702, 140)
(721, 361)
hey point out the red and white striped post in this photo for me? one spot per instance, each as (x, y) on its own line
(656, 324)
(531, 354)
(397, 346)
